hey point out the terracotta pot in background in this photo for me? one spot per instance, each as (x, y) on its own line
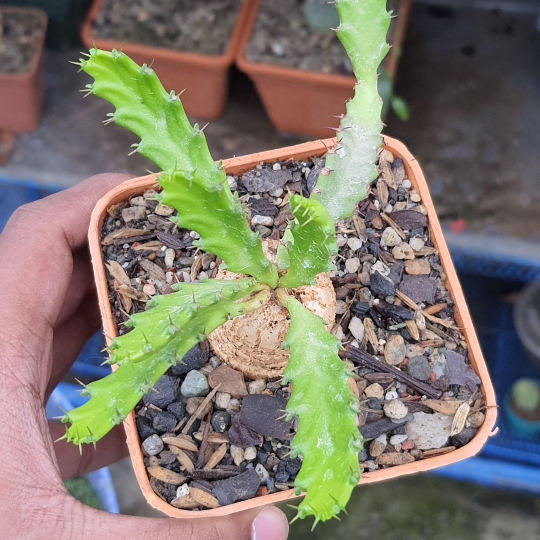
(307, 102)
(204, 78)
(21, 94)
(463, 319)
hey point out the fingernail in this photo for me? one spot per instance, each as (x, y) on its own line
(270, 524)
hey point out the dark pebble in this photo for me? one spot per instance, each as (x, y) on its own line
(408, 219)
(464, 437)
(359, 308)
(239, 488)
(418, 367)
(268, 179)
(390, 311)
(164, 392)
(240, 435)
(262, 457)
(313, 175)
(396, 271)
(167, 458)
(264, 415)
(363, 455)
(164, 421)
(144, 427)
(374, 429)
(178, 409)
(400, 430)
(193, 359)
(380, 286)
(221, 420)
(281, 476)
(405, 334)
(270, 483)
(262, 207)
(419, 288)
(375, 403)
(293, 466)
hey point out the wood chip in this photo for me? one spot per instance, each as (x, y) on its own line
(458, 423)
(369, 328)
(216, 457)
(154, 271)
(353, 387)
(437, 452)
(183, 459)
(185, 503)
(213, 438)
(180, 442)
(394, 226)
(431, 343)
(360, 226)
(448, 407)
(382, 192)
(118, 273)
(154, 245)
(164, 475)
(431, 310)
(132, 293)
(393, 458)
(413, 305)
(196, 267)
(200, 409)
(413, 330)
(122, 233)
(203, 498)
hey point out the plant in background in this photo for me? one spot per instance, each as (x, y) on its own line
(525, 396)
(327, 438)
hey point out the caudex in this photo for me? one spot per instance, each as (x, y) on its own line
(327, 439)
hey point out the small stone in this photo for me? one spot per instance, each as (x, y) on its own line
(262, 473)
(222, 400)
(354, 243)
(419, 368)
(192, 405)
(476, 419)
(352, 265)
(409, 219)
(356, 327)
(374, 390)
(341, 240)
(193, 359)
(341, 307)
(389, 396)
(416, 243)
(169, 257)
(238, 488)
(277, 192)
(338, 332)
(240, 435)
(234, 405)
(182, 491)
(177, 409)
(413, 350)
(237, 454)
(138, 201)
(414, 197)
(395, 409)
(377, 446)
(403, 251)
(257, 386)
(144, 427)
(394, 350)
(465, 436)
(163, 210)
(390, 238)
(164, 422)
(276, 167)
(164, 392)
(221, 421)
(406, 183)
(398, 439)
(267, 221)
(232, 183)
(250, 453)
(195, 384)
(133, 213)
(267, 180)
(231, 381)
(418, 267)
(428, 431)
(152, 446)
(264, 415)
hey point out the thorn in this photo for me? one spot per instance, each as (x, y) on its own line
(295, 517)
(64, 436)
(204, 127)
(315, 524)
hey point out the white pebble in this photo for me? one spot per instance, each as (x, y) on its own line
(356, 327)
(416, 243)
(276, 166)
(352, 265)
(262, 472)
(395, 409)
(341, 307)
(380, 267)
(257, 386)
(250, 453)
(338, 332)
(232, 183)
(182, 490)
(222, 400)
(267, 221)
(406, 183)
(354, 243)
(277, 192)
(187, 277)
(194, 235)
(398, 439)
(341, 240)
(390, 238)
(237, 454)
(392, 394)
(169, 257)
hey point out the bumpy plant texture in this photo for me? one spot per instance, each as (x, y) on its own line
(350, 167)
(327, 438)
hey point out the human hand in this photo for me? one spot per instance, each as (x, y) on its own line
(48, 310)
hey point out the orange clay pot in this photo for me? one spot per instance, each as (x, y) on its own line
(204, 78)
(21, 94)
(238, 166)
(307, 102)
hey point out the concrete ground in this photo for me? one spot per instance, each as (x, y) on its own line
(472, 82)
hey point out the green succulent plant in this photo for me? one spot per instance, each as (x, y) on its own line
(327, 438)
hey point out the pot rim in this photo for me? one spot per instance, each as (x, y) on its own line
(38, 43)
(238, 165)
(162, 53)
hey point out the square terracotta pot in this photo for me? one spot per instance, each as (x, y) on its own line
(21, 94)
(238, 166)
(204, 78)
(307, 102)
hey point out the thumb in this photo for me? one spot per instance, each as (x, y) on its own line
(267, 523)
